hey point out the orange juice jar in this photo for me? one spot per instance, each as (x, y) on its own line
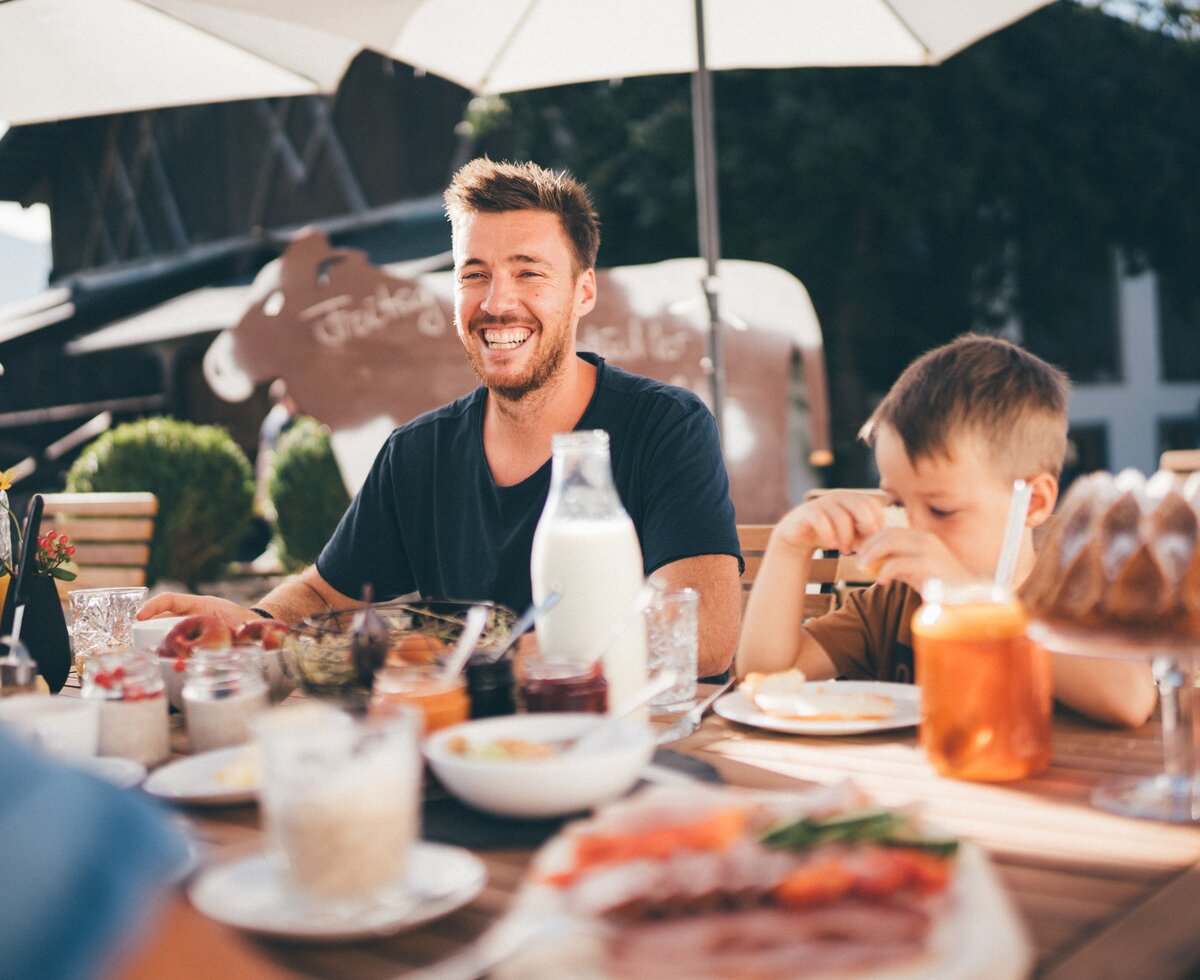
(442, 702)
(985, 687)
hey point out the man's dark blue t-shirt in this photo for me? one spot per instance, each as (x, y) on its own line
(431, 519)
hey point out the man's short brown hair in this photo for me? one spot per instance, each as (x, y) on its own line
(984, 386)
(484, 185)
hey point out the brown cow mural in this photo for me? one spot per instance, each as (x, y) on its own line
(365, 350)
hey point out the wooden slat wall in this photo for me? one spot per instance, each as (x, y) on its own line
(111, 533)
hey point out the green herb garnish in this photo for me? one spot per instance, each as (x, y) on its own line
(874, 825)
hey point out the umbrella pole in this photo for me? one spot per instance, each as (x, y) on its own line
(704, 143)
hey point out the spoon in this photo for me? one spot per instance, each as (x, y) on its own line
(521, 626)
(472, 630)
(642, 696)
(369, 640)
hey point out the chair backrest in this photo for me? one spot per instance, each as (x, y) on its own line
(111, 533)
(825, 577)
(1181, 462)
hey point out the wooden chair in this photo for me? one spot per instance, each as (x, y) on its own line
(1180, 462)
(111, 533)
(826, 577)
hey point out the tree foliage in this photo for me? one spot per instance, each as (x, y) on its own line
(913, 203)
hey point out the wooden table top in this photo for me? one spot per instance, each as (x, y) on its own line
(1100, 895)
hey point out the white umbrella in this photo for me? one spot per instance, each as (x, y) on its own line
(496, 46)
(61, 59)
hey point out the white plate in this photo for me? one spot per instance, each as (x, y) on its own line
(125, 773)
(977, 932)
(906, 710)
(252, 894)
(197, 780)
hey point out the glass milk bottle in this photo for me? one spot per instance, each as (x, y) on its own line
(586, 548)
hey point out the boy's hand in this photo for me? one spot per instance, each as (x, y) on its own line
(842, 520)
(914, 557)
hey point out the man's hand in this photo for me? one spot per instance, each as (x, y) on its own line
(902, 554)
(182, 604)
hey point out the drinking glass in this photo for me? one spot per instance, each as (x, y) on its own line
(672, 645)
(985, 686)
(442, 701)
(545, 684)
(102, 619)
(340, 800)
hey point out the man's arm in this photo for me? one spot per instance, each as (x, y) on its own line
(715, 577)
(303, 595)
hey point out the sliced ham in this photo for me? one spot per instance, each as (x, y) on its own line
(771, 942)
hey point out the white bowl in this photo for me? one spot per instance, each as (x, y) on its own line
(68, 728)
(550, 787)
(279, 683)
(149, 633)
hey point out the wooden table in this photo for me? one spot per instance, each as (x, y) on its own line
(1101, 895)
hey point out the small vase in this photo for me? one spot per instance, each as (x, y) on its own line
(44, 632)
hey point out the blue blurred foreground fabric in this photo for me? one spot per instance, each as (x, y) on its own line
(82, 867)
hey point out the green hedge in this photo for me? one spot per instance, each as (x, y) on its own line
(204, 485)
(307, 492)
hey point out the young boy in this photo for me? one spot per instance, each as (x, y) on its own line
(959, 426)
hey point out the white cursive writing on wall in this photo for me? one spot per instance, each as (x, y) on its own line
(638, 339)
(343, 318)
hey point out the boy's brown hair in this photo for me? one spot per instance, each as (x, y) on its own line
(484, 185)
(985, 386)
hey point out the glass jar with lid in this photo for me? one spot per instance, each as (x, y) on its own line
(223, 689)
(133, 705)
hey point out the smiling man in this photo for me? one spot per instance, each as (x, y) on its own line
(452, 500)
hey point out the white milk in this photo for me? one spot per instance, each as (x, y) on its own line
(597, 566)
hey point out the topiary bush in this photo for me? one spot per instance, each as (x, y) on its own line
(307, 492)
(204, 485)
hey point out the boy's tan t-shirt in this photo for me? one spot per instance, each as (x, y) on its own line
(870, 636)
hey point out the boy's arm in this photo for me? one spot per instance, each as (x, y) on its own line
(773, 638)
(1115, 692)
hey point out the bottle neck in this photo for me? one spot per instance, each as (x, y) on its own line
(581, 482)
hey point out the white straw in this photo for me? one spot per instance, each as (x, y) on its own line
(1018, 510)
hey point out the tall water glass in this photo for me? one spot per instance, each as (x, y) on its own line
(102, 619)
(673, 645)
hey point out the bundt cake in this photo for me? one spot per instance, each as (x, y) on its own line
(1122, 559)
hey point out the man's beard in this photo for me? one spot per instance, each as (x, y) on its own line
(548, 362)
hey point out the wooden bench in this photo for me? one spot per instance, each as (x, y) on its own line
(111, 533)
